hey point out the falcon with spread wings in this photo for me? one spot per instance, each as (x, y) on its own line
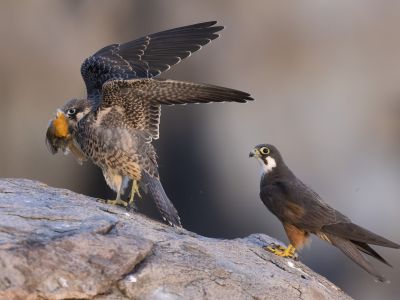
(115, 125)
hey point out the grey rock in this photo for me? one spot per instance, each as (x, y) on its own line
(56, 244)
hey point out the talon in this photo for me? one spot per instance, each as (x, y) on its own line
(115, 202)
(276, 247)
(281, 251)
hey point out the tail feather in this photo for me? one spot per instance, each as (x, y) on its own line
(351, 231)
(350, 250)
(164, 205)
(364, 247)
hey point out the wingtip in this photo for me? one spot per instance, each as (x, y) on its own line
(396, 246)
(218, 28)
(173, 223)
(177, 225)
(246, 98)
(206, 24)
(389, 244)
(211, 24)
(249, 98)
(381, 279)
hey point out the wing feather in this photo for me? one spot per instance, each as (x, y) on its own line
(141, 99)
(350, 250)
(351, 231)
(317, 216)
(145, 57)
(300, 205)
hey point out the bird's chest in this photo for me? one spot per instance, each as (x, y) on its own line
(88, 140)
(272, 201)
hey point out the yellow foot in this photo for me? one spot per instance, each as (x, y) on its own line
(279, 250)
(115, 202)
(135, 190)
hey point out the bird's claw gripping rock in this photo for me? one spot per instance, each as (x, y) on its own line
(281, 250)
(114, 202)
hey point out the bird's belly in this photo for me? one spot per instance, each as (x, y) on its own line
(115, 181)
(110, 155)
(121, 165)
(117, 163)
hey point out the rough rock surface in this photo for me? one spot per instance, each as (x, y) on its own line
(56, 244)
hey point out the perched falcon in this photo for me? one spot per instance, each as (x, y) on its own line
(302, 212)
(115, 125)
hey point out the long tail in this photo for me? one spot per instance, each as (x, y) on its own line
(364, 247)
(351, 231)
(351, 250)
(164, 205)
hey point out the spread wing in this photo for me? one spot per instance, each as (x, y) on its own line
(145, 57)
(140, 99)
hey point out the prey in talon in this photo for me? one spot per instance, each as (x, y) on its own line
(302, 213)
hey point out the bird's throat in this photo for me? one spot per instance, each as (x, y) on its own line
(267, 164)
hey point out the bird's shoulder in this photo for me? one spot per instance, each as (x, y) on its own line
(289, 189)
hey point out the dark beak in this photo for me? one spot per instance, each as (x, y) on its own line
(251, 154)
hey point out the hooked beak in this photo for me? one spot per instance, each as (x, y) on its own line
(254, 153)
(59, 114)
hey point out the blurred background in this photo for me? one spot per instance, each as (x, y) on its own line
(326, 79)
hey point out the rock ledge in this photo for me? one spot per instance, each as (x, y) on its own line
(56, 244)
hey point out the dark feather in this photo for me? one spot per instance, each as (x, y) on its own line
(160, 198)
(141, 99)
(354, 232)
(145, 57)
(350, 249)
(281, 191)
(296, 204)
(368, 250)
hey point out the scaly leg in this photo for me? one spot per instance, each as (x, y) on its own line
(135, 190)
(118, 200)
(282, 251)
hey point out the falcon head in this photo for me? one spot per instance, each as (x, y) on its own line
(268, 156)
(75, 110)
(62, 128)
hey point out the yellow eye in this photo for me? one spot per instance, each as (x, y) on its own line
(264, 151)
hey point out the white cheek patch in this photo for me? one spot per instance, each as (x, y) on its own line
(267, 167)
(79, 116)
